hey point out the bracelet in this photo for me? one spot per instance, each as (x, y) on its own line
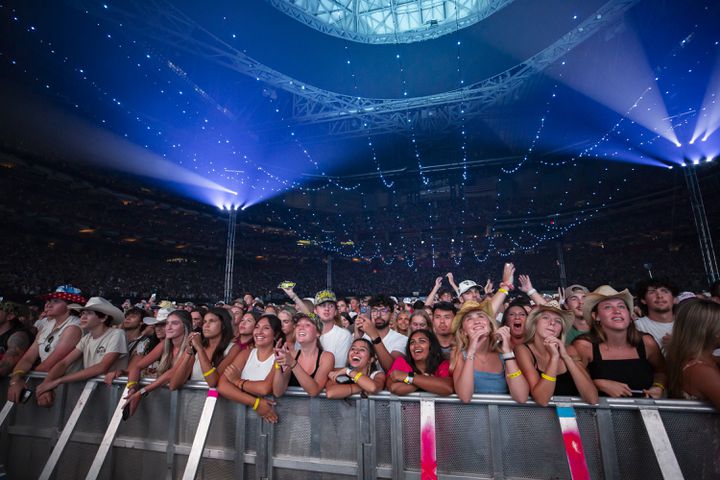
(277, 366)
(294, 365)
(242, 385)
(144, 393)
(508, 356)
(470, 356)
(256, 404)
(209, 372)
(18, 373)
(356, 377)
(131, 384)
(514, 374)
(548, 377)
(503, 290)
(406, 380)
(659, 385)
(531, 292)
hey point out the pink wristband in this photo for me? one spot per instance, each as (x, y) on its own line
(212, 393)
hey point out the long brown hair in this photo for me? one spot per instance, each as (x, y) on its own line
(696, 331)
(597, 334)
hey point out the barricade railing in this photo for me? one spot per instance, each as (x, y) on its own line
(189, 433)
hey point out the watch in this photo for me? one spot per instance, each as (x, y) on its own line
(144, 393)
(377, 340)
(508, 356)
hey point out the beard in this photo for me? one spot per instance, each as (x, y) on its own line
(383, 325)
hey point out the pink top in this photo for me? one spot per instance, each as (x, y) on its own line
(401, 364)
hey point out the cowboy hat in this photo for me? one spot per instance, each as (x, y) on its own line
(554, 307)
(68, 293)
(469, 307)
(604, 292)
(99, 304)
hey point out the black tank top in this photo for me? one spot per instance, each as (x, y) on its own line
(637, 373)
(293, 379)
(564, 385)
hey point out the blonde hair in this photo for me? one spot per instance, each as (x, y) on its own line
(531, 323)
(696, 331)
(462, 340)
(166, 360)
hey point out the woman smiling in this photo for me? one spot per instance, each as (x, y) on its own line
(422, 368)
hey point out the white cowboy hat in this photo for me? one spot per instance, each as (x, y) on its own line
(99, 304)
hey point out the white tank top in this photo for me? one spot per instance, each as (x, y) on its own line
(49, 338)
(255, 369)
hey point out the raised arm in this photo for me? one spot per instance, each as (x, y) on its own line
(430, 299)
(527, 288)
(299, 304)
(505, 286)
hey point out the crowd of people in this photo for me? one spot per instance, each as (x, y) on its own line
(493, 336)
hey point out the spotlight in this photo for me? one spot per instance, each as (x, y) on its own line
(678, 144)
(683, 164)
(696, 161)
(709, 159)
(691, 142)
(670, 167)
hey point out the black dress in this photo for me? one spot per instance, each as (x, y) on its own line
(637, 373)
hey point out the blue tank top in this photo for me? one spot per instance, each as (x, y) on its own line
(488, 382)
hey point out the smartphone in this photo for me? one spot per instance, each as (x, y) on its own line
(343, 379)
(286, 284)
(364, 309)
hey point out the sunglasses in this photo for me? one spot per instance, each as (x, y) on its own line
(48, 343)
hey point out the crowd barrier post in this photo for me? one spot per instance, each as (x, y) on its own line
(608, 448)
(667, 461)
(365, 427)
(201, 434)
(7, 408)
(240, 418)
(108, 439)
(172, 433)
(263, 460)
(428, 457)
(495, 441)
(67, 430)
(572, 441)
(396, 441)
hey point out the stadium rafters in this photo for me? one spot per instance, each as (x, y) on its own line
(345, 116)
(389, 21)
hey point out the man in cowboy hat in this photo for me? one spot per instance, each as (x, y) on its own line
(99, 349)
(56, 339)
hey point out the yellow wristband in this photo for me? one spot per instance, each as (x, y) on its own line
(209, 372)
(18, 373)
(131, 384)
(257, 403)
(548, 378)
(659, 385)
(277, 366)
(514, 374)
(356, 377)
(503, 290)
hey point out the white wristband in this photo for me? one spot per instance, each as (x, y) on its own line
(531, 292)
(508, 356)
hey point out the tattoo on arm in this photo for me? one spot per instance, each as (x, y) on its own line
(17, 344)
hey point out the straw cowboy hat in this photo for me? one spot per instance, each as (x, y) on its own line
(604, 292)
(469, 307)
(99, 304)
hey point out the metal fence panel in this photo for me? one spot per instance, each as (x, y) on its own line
(328, 439)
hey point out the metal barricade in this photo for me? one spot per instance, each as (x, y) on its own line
(375, 437)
